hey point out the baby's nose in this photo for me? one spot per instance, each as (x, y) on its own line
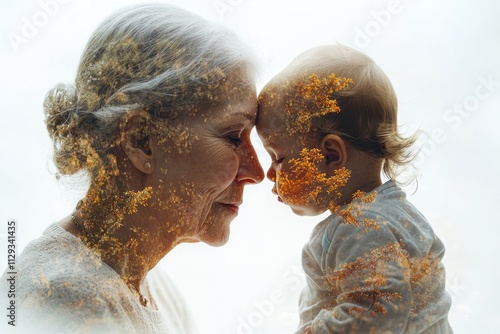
(271, 174)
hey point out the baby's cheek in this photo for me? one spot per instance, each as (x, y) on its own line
(290, 188)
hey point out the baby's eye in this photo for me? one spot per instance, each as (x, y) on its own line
(278, 161)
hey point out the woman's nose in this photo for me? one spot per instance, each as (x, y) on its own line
(250, 169)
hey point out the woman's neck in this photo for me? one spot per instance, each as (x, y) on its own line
(130, 249)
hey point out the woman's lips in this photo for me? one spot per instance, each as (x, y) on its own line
(232, 207)
(280, 200)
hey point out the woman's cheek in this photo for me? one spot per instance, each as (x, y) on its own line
(224, 167)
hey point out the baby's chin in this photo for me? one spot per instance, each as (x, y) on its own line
(306, 211)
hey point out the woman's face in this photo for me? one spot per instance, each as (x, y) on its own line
(202, 173)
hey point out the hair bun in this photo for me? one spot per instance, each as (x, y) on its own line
(58, 102)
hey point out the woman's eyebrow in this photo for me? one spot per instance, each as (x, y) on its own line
(241, 119)
(250, 117)
(246, 115)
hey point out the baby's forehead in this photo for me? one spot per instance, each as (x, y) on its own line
(271, 97)
(276, 105)
(271, 117)
(279, 140)
(272, 94)
(274, 99)
(286, 87)
(275, 128)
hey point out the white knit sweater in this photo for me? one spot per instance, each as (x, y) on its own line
(64, 287)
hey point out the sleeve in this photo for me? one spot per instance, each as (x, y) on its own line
(369, 272)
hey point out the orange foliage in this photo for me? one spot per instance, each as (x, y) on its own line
(305, 183)
(353, 210)
(317, 91)
(368, 291)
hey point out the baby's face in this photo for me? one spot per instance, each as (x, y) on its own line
(284, 145)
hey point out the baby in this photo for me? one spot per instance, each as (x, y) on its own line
(329, 123)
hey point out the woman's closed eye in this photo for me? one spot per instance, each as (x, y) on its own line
(235, 138)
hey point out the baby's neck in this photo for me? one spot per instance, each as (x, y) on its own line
(365, 180)
(365, 173)
(369, 186)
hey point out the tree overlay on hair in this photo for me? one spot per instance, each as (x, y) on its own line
(318, 92)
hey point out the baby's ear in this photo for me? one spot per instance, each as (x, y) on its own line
(334, 149)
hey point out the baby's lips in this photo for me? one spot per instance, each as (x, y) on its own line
(274, 191)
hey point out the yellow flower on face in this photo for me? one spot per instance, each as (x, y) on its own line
(306, 184)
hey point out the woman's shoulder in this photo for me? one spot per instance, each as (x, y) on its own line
(56, 255)
(52, 246)
(58, 267)
(60, 282)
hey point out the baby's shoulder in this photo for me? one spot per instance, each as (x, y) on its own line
(387, 219)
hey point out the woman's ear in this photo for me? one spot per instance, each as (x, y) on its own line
(135, 128)
(334, 149)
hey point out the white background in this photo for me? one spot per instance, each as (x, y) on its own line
(438, 54)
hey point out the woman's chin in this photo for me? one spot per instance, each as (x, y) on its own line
(216, 240)
(217, 234)
(216, 227)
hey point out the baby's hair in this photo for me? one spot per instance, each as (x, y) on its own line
(368, 106)
(153, 57)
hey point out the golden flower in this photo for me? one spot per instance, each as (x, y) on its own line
(305, 183)
(313, 99)
(371, 270)
(352, 212)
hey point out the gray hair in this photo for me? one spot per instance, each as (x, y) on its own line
(156, 57)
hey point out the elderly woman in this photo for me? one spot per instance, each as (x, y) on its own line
(159, 119)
